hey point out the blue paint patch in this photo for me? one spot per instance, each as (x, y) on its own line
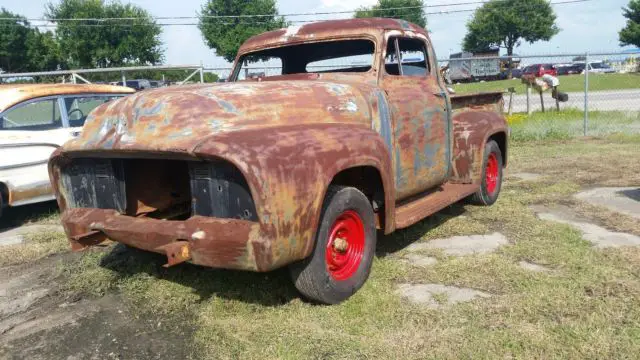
(404, 24)
(385, 120)
(227, 106)
(338, 89)
(400, 180)
(177, 135)
(216, 124)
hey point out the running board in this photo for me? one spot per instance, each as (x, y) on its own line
(447, 194)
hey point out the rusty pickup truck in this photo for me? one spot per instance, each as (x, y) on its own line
(322, 135)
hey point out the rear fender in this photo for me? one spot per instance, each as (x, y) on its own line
(472, 129)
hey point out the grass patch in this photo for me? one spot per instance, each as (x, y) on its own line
(588, 307)
(569, 123)
(571, 83)
(37, 245)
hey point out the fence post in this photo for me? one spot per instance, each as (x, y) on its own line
(201, 73)
(586, 93)
(73, 78)
(528, 99)
(124, 79)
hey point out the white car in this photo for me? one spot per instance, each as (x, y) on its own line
(598, 67)
(34, 121)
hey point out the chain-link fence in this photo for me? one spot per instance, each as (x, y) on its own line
(592, 94)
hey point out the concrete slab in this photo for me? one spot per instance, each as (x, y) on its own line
(597, 235)
(17, 235)
(623, 200)
(437, 296)
(463, 245)
(420, 260)
(533, 267)
(525, 176)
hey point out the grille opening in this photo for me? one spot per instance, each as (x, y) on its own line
(219, 190)
(157, 188)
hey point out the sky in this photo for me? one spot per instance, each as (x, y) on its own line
(590, 26)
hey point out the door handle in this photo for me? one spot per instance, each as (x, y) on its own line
(441, 94)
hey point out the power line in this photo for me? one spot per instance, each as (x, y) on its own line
(247, 16)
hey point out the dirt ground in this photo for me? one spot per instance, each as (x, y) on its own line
(39, 321)
(119, 303)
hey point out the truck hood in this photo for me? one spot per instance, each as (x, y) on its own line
(179, 118)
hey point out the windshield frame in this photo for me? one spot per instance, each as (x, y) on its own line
(375, 63)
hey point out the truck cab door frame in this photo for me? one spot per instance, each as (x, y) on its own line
(421, 121)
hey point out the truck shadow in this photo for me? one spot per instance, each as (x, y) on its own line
(390, 244)
(268, 289)
(633, 194)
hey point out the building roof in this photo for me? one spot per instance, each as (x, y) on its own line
(327, 30)
(11, 94)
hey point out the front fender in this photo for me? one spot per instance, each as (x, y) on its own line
(288, 170)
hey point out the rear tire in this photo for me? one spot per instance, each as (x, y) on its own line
(345, 245)
(491, 185)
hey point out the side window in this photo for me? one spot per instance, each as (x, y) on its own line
(414, 60)
(37, 115)
(78, 108)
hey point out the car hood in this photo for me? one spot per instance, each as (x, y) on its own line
(179, 118)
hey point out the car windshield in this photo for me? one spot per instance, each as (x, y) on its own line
(319, 57)
(599, 66)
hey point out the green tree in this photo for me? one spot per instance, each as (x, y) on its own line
(226, 34)
(394, 9)
(13, 39)
(630, 34)
(106, 43)
(506, 23)
(23, 48)
(43, 51)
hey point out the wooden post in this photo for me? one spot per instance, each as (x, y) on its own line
(555, 91)
(511, 91)
(542, 100)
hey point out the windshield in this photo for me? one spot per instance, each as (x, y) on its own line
(320, 57)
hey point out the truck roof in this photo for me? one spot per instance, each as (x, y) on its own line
(11, 94)
(325, 30)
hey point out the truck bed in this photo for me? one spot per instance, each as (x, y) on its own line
(489, 101)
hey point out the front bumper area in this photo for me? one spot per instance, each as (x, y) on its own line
(214, 242)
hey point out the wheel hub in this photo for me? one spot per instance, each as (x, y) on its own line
(345, 248)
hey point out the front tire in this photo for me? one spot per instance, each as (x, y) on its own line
(345, 245)
(492, 166)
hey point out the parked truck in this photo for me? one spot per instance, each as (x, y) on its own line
(299, 168)
(469, 67)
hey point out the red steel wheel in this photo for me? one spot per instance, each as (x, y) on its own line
(492, 173)
(345, 247)
(491, 176)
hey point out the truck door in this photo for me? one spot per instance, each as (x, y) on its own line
(420, 116)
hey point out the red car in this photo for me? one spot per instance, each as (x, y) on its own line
(539, 70)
